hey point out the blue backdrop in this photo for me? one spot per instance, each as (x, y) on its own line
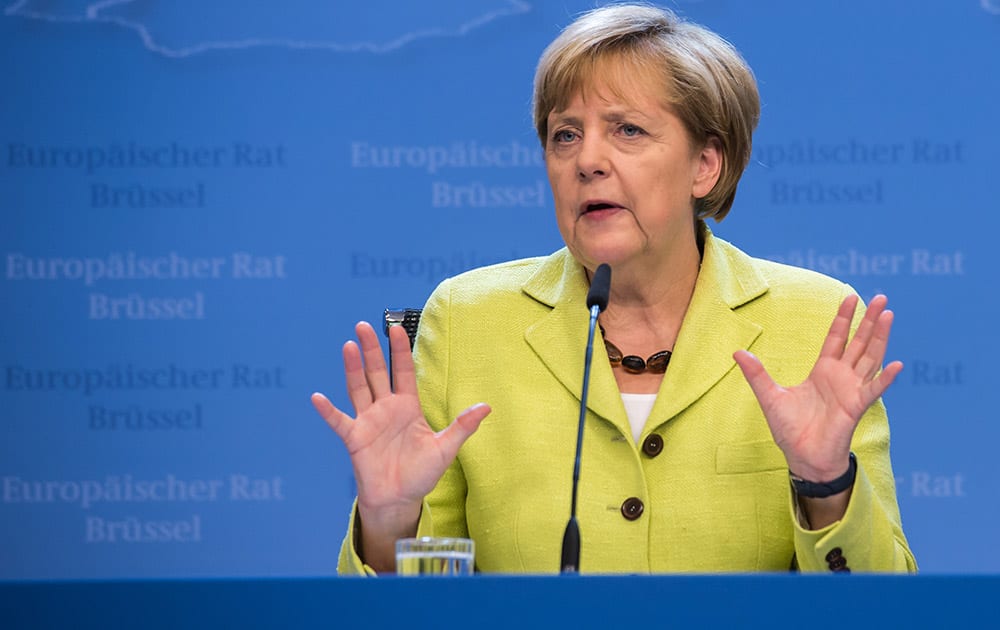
(201, 199)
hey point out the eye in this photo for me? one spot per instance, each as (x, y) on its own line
(630, 130)
(564, 136)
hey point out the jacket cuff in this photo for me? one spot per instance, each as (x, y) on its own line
(849, 543)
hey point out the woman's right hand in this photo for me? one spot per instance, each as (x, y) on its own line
(397, 457)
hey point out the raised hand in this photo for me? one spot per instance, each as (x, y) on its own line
(813, 422)
(397, 457)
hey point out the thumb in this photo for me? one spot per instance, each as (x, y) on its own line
(456, 433)
(339, 421)
(760, 381)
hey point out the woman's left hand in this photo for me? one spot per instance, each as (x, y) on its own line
(813, 422)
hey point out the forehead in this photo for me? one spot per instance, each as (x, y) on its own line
(630, 82)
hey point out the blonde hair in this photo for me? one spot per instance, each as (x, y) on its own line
(707, 83)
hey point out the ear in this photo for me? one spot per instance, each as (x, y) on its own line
(709, 168)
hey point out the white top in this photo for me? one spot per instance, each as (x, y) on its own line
(637, 407)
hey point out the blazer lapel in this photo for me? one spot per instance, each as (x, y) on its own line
(713, 329)
(559, 338)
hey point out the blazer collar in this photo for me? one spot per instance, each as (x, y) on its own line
(711, 331)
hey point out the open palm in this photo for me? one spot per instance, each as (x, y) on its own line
(397, 457)
(813, 422)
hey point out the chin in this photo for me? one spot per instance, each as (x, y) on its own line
(591, 257)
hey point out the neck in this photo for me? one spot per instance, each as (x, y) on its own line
(646, 308)
(652, 299)
(647, 324)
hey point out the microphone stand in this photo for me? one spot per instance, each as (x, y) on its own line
(597, 301)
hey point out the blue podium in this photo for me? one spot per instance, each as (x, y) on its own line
(801, 601)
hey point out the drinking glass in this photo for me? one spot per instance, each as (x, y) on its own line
(435, 556)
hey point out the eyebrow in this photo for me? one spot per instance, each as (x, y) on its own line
(608, 116)
(571, 120)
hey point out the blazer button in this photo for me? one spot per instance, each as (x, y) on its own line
(835, 553)
(838, 563)
(632, 508)
(652, 445)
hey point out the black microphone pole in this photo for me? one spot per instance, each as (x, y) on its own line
(597, 301)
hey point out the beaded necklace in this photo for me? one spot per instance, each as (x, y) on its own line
(655, 364)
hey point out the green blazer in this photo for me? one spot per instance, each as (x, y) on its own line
(716, 498)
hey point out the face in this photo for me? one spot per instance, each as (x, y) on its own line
(625, 176)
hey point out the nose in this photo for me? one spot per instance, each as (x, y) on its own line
(592, 160)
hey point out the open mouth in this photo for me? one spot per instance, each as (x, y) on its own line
(597, 206)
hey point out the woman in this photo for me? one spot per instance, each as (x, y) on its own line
(646, 123)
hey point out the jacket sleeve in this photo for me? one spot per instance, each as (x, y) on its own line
(869, 538)
(433, 352)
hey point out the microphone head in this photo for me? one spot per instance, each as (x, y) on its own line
(600, 287)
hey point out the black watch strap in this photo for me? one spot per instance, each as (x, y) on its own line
(814, 490)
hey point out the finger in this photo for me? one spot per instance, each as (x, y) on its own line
(456, 433)
(859, 344)
(856, 348)
(354, 374)
(763, 386)
(340, 422)
(878, 386)
(371, 350)
(404, 380)
(840, 329)
(870, 362)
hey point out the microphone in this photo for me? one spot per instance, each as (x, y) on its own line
(597, 301)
